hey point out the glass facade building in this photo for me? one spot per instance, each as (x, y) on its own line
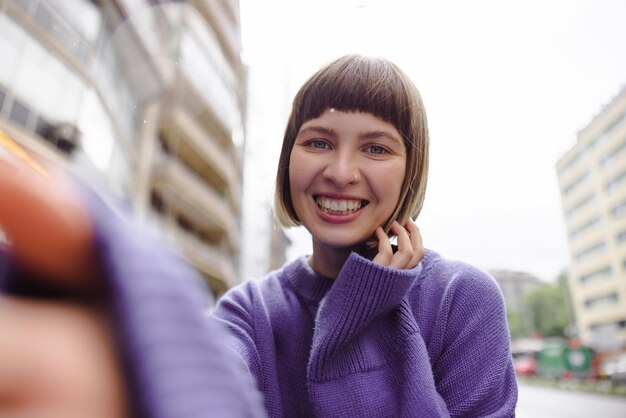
(147, 97)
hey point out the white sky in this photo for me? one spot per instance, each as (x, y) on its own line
(506, 85)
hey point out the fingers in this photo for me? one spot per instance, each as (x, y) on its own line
(385, 252)
(416, 243)
(402, 258)
(410, 247)
(48, 227)
(59, 361)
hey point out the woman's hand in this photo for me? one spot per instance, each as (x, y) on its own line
(57, 359)
(48, 227)
(410, 248)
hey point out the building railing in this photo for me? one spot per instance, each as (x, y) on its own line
(194, 191)
(207, 258)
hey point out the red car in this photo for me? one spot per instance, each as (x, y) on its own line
(525, 365)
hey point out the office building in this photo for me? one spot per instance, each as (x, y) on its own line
(592, 179)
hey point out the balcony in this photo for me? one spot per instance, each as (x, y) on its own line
(205, 83)
(216, 264)
(222, 18)
(201, 149)
(202, 142)
(186, 193)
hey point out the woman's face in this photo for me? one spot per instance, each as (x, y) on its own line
(346, 171)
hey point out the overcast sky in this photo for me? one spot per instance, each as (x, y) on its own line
(506, 84)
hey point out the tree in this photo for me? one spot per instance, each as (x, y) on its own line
(516, 324)
(547, 304)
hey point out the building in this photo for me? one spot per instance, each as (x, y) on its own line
(279, 243)
(592, 180)
(513, 285)
(144, 96)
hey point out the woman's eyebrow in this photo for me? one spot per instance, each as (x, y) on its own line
(318, 130)
(380, 134)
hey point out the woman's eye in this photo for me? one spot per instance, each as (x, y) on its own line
(376, 149)
(318, 144)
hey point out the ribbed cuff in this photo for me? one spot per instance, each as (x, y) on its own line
(363, 292)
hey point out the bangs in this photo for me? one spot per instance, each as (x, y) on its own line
(356, 84)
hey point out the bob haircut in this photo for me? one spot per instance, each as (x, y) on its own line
(355, 83)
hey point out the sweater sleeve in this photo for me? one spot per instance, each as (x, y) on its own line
(368, 347)
(473, 370)
(243, 312)
(176, 356)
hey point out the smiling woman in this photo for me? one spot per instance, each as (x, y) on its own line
(359, 327)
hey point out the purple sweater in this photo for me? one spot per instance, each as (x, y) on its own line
(375, 342)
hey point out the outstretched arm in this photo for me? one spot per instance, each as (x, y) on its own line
(56, 358)
(132, 296)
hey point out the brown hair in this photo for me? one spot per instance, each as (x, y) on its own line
(355, 83)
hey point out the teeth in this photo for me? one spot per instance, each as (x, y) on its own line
(338, 206)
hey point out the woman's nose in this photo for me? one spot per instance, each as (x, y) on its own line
(341, 173)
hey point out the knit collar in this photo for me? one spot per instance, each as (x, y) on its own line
(305, 281)
(313, 286)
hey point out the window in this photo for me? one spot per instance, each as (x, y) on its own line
(579, 180)
(609, 129)
(44, 17)
(23, 4)
(27, 118)
(602, 301)
(19, 113)
(610, 325)
(208, 81)
(578, 206)
(619, 210)
(616, 182)
(596, 275)
(98, 133)
(613, 155)
(12, 45)
(597, 140)
(74, 24)
(594, 249)
(589, 225)
(43, 128)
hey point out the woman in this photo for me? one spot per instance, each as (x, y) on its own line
(363, 328)
(358, 328)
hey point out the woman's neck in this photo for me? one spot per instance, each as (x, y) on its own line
(328, 261)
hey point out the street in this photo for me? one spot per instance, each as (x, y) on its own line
(544, 402)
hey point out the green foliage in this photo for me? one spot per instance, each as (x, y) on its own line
(548, 306)
(516, 324)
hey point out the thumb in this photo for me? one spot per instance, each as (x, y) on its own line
(48, 228)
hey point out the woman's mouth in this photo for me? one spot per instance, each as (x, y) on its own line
(339, 206)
